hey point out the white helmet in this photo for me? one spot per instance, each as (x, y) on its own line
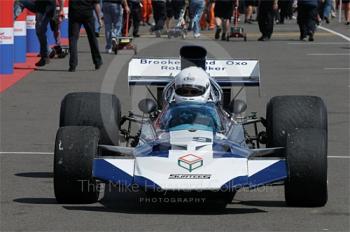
(192, 84)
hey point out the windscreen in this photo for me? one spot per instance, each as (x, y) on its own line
(191, 116)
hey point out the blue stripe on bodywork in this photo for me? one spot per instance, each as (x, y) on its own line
(273, 173)
(104, 170)
(235, 183)
(146, 183)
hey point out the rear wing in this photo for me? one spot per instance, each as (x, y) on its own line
(226, 72)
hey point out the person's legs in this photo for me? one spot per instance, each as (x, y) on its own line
(159, 13)
(42, 21)
(327, 7)
(107, 17)
(311, 19)
(73, 34)
(117, 20)
(196, 7)
(55, 25)
(262, 22)
(95, 53)
(301, 21)
(169, 14)
(136, 18)
(197, 16)
(346, 7)
(248, 14)
(97, 26)
(156, 14)
(269, 23)
(218, 23)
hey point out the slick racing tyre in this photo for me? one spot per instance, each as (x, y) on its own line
(306, 155)
(98, 110)
(75, 149)
(285, 114)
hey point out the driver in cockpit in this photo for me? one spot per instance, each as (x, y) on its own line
(192, 84)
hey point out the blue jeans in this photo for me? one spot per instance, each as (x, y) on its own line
(113, 18)
(196, 10)
(327, 7)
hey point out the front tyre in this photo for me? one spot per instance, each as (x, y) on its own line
(75, 149)
(306, 154)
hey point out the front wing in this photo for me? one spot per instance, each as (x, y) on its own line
(207, 174)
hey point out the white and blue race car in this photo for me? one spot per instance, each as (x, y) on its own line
(189, 146)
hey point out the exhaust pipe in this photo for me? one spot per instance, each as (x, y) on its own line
(193, 56)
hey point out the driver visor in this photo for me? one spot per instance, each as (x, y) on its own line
(190, 90)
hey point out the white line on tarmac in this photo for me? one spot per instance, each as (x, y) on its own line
(51, 153)
(25, 153)
(328, 54)
(335, 33)
(336, 68)
(319, 43)
(339, 157)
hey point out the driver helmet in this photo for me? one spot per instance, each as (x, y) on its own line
(192, 84)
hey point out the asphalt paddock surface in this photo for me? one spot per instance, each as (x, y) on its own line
(29, 120)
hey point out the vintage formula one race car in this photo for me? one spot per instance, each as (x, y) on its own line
(198, 146)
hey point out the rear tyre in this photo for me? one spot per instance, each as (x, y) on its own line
(285, 114)
(75, 149)
(306, 154)
(98, 110)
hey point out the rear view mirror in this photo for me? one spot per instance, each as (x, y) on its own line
(237, 106)
(148, 106)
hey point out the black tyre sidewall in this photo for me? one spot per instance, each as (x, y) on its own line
(306, 155)
(99, 110)
(284, 114)
(75, 150)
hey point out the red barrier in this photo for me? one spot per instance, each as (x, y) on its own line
(6, 37)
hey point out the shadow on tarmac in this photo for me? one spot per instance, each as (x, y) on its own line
(35, 174)
(37, 200)
(263, 203)
(143, 203)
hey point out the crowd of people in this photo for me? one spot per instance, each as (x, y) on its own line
(192, 15)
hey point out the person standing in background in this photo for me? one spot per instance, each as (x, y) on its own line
(159, 15)
(266, 12)
(326, 10)
(173, 10)
(196, 9)
(45, 12)
(81, 13)
(113, 20)
(55, 22)
(146, 11)
(249, 9)
(346, 7)
(223, 13)
(286, 10)
(307, 18)
(135, 17)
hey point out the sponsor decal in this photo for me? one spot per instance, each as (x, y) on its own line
(201, 139)
(172, 200)
(190, 162)
(65, 10)
(6, 35)
(189, 78)
(20, 28)
(30, 22)
(189, 176)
